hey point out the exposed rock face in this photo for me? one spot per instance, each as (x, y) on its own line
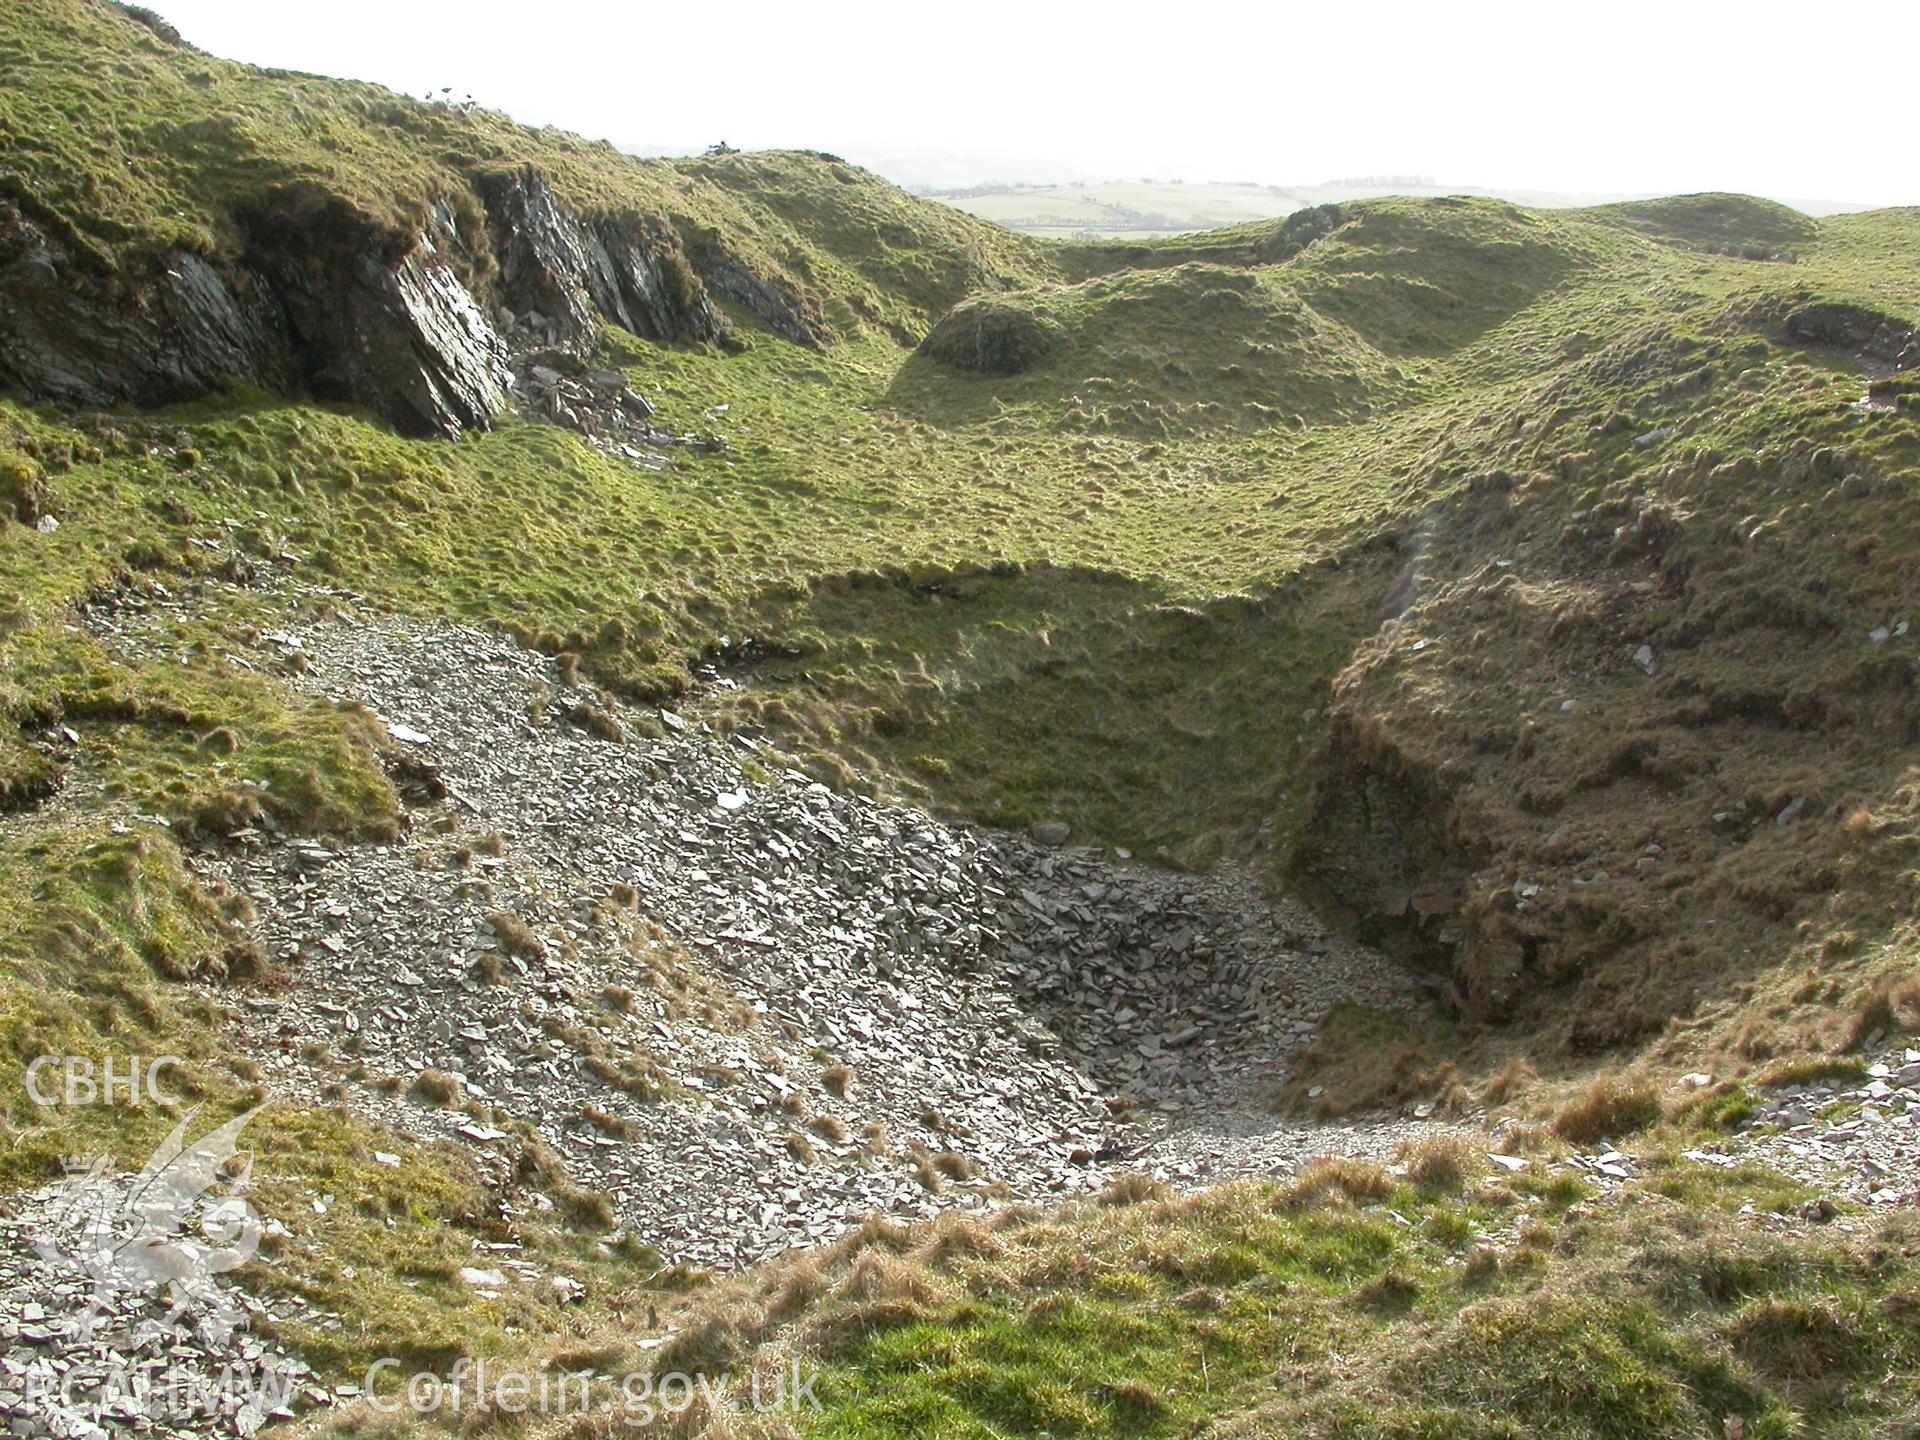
(391, 322)
(171, 337)
(548, 263)
(654, 292)
(789, 315)
(557, 275)
(408, 339)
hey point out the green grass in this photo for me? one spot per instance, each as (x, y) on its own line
(124, 146)
(1347, 1304)
(1721, 224)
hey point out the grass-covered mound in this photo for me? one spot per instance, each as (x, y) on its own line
(992, 335)
(1155, 352)
(1427, 277)
(1737, 225)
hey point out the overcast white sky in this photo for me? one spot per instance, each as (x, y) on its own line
(1795, 102)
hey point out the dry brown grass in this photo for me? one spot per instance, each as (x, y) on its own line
(874, 1232)
(829, 1129)
(608, 1123)
(597, 722)
(516, 936)
(1888, 1007)
(1135, 1399)
(800, 1148)
(1531, 1139)
(1392, 1292)
(923, 1170)
(839, 1081)
(588, 1209)
(716, 1337)
(1132, 1188)
(1511, 1080)
(1612, 1105)
(887, 1277)
(955, 1235)
(1336, 1179)
(1482, 1265)
(1756, 1040)
(799, 1285)
(436, 1087)
(1441, 1162)
(954, 1165)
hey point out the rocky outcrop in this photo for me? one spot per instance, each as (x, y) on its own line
(557, 275)
(68, 337)
(408, 339)
(423, 328)
(654, 291)
(786, 312)
(551, 272)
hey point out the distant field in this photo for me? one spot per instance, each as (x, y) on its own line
(1134, 210)
(1124, 211)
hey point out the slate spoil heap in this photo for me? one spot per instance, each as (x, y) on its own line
(748, 1009)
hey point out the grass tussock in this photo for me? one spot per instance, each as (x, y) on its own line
(1441, 1162)
(1612, 1105)
(1335, 1179)
(437, 1088)
(1649, 1316)
(516, 937)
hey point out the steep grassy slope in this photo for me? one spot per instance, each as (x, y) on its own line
(126, 145)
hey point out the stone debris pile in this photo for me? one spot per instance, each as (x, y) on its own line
(747, 1008)
(1859, 1138)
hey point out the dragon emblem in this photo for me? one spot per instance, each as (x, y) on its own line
(160, 1230)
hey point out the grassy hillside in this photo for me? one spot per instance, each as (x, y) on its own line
(1555, 568)
(1145, 209)
(127, 144)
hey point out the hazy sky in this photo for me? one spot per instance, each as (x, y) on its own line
(1621, 97)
